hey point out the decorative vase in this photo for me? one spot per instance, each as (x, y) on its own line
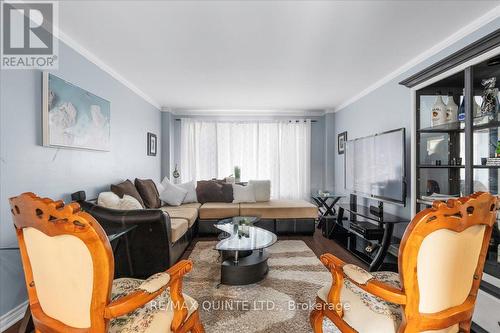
(489, 106)
(451, 110)
(438, 112)
(237, 174)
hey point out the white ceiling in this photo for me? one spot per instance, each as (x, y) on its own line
(286, 55)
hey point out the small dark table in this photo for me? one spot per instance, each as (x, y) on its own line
(115, 235)
(242, 247)
(364, 224)
(326, 208)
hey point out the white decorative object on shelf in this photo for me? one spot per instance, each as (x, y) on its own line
(451, 110)
(477, 108)
(438, 113)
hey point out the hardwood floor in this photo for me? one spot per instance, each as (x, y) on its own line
(318, 244)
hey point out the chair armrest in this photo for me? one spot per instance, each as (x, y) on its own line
(152, 288)
(360, 278)
(155, 282)
(356, 274)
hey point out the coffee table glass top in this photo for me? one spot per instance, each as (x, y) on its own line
(242, 235)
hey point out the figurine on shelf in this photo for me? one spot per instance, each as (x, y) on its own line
(489, 107)
(451, 110)
(438, 112)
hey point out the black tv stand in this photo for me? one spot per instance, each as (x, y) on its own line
(367, 233)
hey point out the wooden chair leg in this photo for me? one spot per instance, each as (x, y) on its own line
(316, 319)
(197, 325)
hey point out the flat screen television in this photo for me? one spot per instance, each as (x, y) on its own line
(375, 166)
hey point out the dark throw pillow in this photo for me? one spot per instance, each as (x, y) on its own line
(209, 191)
(227, 191)
(149, 193)
(127, 188)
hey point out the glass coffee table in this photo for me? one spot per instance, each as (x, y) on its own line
(242, 246)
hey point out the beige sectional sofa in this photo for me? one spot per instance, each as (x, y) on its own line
(280, 216)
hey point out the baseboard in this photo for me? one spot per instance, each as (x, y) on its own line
(13, 316)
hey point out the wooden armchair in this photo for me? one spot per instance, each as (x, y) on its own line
(69, 268)
(441, 261)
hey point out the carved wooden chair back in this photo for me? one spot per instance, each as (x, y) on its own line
(68, 264)
(441, 261)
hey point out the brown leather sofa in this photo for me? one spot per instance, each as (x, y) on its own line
(163, 234)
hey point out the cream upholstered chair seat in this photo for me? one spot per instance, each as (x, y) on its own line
(368, 313)
(156, 316)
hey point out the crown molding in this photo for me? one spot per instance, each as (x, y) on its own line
(245, 112)
(449, 41)
(105, 67)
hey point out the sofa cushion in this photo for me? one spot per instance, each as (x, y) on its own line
(280, 209)
(181, 212)
(149, 193)
(127, 188)
(178, 228)
(196, 205)
(218, 210)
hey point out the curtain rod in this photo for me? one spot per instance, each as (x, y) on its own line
(312, 120)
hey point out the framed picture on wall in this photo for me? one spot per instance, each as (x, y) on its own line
(341, 140)
(73, 117)
(152, 144)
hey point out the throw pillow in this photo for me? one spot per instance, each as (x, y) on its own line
(191, 188)
(129, 203)
(262, 189)
(173, 195)
(127, 188)
(149, 193)
(159, 187)
(108, 200)
(112, 201)
(243, 194)
(227, 191)
(209, 191)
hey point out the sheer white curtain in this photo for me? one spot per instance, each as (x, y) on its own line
(278, 151)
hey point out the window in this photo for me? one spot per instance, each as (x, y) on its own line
(279, 151)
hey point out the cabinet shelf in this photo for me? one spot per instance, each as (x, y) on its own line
(486, 166)
(445, 128)
(455, 127)
(431, 166)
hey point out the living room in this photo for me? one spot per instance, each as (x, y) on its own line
(227, 164)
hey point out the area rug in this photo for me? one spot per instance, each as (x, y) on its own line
(279, 303)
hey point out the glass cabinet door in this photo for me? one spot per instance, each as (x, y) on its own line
(486, 145)
(440, 140)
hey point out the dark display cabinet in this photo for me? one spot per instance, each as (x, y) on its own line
(455, 153)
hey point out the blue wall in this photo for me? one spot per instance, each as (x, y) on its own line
(25, 165)
(386, 108)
